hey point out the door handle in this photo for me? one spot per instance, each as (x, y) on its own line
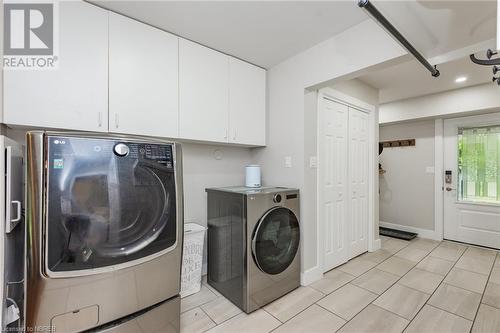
(449, 189)
(18, 210)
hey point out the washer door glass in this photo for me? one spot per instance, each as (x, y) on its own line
(107, 206)
(276, 240)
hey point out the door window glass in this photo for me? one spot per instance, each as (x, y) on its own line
(104, 208)
(479, 164)
(276, 240)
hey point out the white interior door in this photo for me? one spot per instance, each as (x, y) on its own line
(332, 171)
(472, 194)
(358, 181)
(343, 182)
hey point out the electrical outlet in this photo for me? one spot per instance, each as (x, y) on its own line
(288, 161)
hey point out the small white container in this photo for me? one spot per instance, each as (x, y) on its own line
(252, 173)
(192, 258)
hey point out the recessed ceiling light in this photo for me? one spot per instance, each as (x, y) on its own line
(461, 79)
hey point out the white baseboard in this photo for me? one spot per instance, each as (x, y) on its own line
(376, 245)
(422, 233)
(311, 275)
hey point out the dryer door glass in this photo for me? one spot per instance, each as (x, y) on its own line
(109, 202)
(276, 240)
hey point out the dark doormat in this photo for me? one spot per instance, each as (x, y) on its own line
(397, 233)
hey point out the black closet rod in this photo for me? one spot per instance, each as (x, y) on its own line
(370, 8)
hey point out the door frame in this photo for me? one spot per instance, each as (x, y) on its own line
(484, 119)
(339, 97)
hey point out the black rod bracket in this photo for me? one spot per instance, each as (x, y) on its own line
(380, 18)
(485, 62)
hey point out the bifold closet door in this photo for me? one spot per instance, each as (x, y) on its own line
(358, 181)
(343, 182)
(332, 172)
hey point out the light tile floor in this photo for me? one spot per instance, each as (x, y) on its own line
(417, 286)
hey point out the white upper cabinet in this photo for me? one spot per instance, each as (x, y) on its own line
(75, 95)
(143, 79)
(247, 103)
(203, 91)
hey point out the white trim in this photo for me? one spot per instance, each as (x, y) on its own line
(373, 243)
(311, 275)
(377, 245)
(438, 178)
(422, 233)
(344, 99)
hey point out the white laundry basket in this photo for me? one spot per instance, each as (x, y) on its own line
(192, 258)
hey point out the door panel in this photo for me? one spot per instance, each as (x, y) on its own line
(247, 103)
(203, 93)
(143, 79)
(333, 177)
(74, 95)
(471, 205)
(358, 182)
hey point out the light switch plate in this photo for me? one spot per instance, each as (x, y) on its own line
(288, 161)
(313, 162)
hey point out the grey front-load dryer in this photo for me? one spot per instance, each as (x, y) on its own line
(253, 244)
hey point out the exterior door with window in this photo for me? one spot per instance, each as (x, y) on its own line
(472, 180)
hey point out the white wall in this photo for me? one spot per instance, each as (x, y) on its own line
(407, 188)
(203, 170)
(475, 99)
(359, 90)
(343, 56)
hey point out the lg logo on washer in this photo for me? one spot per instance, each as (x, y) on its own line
(29, 35)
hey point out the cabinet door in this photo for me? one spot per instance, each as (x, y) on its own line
(143, 79)
(203, 89)
(247, 103)
(74, 95)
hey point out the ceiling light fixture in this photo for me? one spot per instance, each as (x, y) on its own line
(461, 79)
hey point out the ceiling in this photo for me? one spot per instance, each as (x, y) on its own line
(410, 79)
(261, 32)
(268, 32)
(438, 27)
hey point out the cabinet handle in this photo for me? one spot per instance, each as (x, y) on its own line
(234, 134)
(100, 119)
(225, 134)
(117, 120)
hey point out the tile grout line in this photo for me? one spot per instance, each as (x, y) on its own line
(437, 307)
(439, 285)
(211, 319)
(295, 315)
(348, 321)
(484, 291)
(401, 277)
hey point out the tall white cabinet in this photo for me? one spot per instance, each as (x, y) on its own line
(143, 79)
(75, 95)
(203, 92)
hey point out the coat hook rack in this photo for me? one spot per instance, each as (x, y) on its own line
(398, 143)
